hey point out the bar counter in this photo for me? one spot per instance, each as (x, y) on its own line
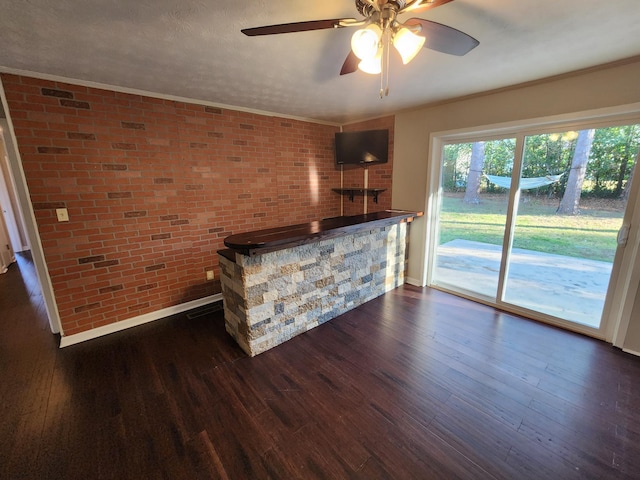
(269, 240)
(280, 282)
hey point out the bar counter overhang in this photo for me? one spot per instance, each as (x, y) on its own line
(280, 282)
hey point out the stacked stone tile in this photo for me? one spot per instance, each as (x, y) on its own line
(273, 297)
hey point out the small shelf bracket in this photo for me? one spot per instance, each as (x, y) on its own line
(352, 192)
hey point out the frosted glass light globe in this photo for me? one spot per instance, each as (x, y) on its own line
(407, 43)
(365, 43)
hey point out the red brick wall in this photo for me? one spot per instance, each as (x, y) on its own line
(152, 188)
(379, 175)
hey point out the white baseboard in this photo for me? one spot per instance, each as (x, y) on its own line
(632, 352)
(413, 281)
(66, 341)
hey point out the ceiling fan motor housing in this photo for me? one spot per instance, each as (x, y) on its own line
(367, 9)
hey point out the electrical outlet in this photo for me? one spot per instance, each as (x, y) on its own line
(210, 275)
(63, 214)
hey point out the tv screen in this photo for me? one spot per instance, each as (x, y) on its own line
(363, 148)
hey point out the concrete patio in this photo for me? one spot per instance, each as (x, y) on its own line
(570, 288)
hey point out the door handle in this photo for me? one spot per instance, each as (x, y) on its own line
(623, 235)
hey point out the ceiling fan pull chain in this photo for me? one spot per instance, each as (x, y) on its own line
(387, 64)
(384, 74)
(383, 46)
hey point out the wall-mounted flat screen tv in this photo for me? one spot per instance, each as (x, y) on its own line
(363, 148)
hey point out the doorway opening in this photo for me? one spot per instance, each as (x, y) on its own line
(13, 237)
(23, 233)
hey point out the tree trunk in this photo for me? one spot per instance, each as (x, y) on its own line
(571, 198)
(627, 186)
(621, 173)
(472, 193)
(624, 161)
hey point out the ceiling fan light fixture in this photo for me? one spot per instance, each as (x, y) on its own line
(372, 65)
(407, 43)
(365, 42)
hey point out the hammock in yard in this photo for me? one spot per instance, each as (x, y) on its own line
(525, 183)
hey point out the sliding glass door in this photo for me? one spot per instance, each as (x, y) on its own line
(531, 222)
(472, 217)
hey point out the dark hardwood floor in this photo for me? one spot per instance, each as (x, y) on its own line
(417, 384)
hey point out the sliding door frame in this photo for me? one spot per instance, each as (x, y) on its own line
(621, 293)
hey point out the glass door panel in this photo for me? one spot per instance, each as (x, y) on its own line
(472, 217)
(570, 210)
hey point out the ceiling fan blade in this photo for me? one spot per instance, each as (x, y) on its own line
(420, 7)
(350, 65)
(297, 27)
(443, 38)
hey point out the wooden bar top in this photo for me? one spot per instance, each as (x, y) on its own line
(272, 239)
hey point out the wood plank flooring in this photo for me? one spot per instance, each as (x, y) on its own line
(417, 384)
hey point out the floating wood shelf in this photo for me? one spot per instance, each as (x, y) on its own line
(352, 192)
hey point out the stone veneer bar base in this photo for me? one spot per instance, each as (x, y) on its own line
(273, 297)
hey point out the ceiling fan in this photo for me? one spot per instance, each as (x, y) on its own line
(370, 45)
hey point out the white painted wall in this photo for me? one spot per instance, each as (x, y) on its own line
(615, 85)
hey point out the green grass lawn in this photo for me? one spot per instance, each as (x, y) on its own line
(591, 234)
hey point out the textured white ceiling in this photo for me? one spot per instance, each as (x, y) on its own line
(194, 49)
